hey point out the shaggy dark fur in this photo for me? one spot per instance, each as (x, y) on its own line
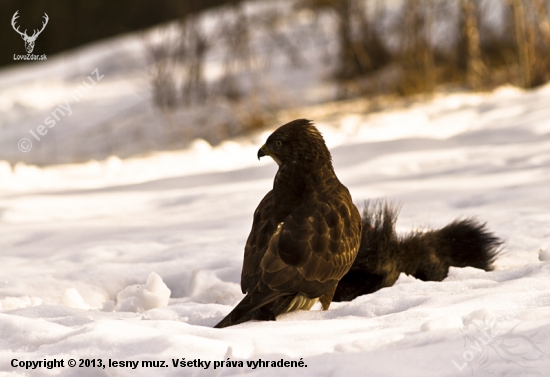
(383, 255)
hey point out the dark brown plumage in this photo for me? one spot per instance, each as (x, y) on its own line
(305, 233)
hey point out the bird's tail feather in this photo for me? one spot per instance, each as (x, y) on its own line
(383, 255)
(260, 306)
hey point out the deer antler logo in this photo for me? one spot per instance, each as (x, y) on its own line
(29, 41)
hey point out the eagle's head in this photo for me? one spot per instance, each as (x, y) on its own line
(296, 142)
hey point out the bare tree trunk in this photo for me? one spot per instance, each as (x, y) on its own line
(428, 53)
(361, 51)
(409, 38)
(525, 41)
(543, 23)
(194, 87)
(535, 72)
(418, 60)
(363, 57)
(543, 53)
(344, 12)
(162, 74)
(475, 69)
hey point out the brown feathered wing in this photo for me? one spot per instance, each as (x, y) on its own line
(289, 264)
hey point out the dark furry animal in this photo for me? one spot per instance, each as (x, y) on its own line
(305, 233)
(383, 255)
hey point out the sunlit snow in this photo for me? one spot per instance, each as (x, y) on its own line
(136, 259)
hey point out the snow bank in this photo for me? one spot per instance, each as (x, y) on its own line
(138, 298)
(78, 241)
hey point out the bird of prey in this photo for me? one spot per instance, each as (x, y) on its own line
(305, 232)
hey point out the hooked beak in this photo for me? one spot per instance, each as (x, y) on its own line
(262, 152)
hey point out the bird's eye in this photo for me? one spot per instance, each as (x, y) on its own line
(278, 143)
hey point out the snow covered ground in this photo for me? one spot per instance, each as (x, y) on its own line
(74, 238)
(95, 101)
(135, 259)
